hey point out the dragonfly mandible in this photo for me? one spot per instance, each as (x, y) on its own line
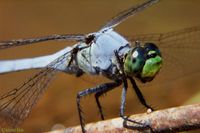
(105, 52)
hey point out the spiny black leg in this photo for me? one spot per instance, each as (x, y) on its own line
(98, 94)
(98, 89)
(139, 94)
(80, 112)
(122, 107)
(123, 99)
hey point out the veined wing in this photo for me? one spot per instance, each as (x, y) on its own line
(19, 42)
(127, 13)
(180, 51)
(16, 104)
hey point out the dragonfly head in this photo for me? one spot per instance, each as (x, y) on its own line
(143, 62)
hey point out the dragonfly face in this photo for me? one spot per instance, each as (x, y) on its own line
(143, 62)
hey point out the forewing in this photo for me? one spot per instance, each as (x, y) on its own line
(16, 104)
(180, 51)
(127, 13)
(19, 42)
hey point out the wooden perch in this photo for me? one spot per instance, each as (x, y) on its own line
(168, 120)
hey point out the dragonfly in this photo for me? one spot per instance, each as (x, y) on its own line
(105, 52)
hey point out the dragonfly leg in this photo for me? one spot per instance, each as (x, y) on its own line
(100, 88)
(98, 94)
(139, 94)
(123, 99)
(122, 109)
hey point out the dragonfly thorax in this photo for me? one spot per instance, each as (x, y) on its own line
(143, 62)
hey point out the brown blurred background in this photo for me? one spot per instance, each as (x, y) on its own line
(26, 19)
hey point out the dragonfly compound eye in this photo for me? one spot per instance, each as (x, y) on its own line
(152, 64)
(134, 61)
(152, 47)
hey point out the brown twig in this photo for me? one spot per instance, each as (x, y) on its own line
(168, 120)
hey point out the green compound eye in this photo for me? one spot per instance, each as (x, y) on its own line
(134, 61)
(151, 48)
(152, 64)
(143, 62)
(151, 68)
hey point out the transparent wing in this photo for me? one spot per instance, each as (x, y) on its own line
(129, 12)
(19, 42)
(180, 51)
(16, 104)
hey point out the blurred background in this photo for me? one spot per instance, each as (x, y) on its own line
(28, 19)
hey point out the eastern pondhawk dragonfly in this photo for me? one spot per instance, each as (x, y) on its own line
(104, 53)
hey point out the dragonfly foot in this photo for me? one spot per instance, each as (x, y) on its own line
(134, 124)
